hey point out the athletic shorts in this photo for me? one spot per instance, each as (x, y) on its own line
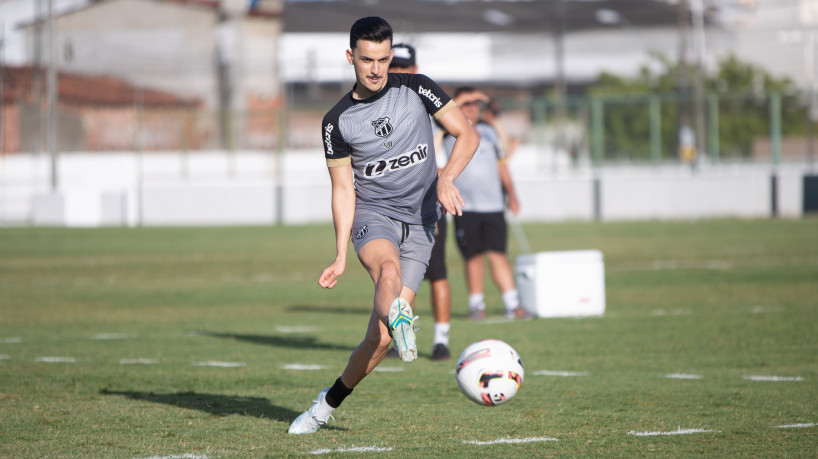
(414, 242)
(437, 262)
(478, 232)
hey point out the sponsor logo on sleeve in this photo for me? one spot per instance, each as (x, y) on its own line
(427, 93)
(328, 138)
(379, 167)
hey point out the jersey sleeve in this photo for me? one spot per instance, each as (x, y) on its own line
(496, 144)
(336, 150)
(435, 99)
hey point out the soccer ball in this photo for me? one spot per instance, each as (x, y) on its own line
(489, 372)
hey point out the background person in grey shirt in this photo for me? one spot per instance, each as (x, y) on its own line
(481, 230)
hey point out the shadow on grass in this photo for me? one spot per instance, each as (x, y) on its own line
(362, 310)
(217, 404)
(308, 342)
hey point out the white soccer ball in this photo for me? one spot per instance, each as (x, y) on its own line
(489, 372)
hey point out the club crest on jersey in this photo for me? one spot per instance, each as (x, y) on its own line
(382, 127)
(362, 232)
(379, 167)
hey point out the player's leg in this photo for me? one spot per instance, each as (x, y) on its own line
(496, 239)
(469, 241)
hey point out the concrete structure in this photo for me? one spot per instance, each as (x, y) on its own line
(256, 188)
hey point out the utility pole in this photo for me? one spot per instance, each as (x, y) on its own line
(698, 82)
(37, 80)
(53, 124)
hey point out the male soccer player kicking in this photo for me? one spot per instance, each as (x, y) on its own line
(380, 134)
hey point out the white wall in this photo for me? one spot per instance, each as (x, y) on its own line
(218, 188)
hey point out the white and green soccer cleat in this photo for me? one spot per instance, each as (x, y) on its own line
(318, 414)
(402, 329)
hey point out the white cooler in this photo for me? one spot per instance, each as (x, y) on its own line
(562, 284)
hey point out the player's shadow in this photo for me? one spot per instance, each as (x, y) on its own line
(216, 404)
(301, 342)
(362, 310)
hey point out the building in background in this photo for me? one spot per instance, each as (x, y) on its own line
(223, 53)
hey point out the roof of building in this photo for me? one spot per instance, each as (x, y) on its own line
(76, 89)
(414, 16)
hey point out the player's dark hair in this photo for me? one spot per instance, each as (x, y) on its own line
(372, 28)
(464, 90)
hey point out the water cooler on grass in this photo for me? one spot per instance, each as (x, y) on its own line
(562, 284)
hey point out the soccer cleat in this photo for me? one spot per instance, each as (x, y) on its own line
(441, 352)
(519, 313)
(309, 421)
(402, 329)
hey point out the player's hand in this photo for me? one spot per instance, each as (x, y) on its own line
(329, 277)
(449, 197)
(514, 206)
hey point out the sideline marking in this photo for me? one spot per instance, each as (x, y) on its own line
(109, 336)
(675, 312)
(673, 432)
(216, 363)
(566, 374)
(138, 361)
(760, 309)
(296, 329)
(774, 378)
(388, 369)
(14, 340)
(55, 359)
(353, 449)
(183, 456)
(4, 357)
(796, 426)
(509, 440)
(683, 376)
(300, 366)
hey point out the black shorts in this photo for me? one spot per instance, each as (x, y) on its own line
(437, 262)
(478, 232)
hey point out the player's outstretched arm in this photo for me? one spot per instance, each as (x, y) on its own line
(466, 142)
(343, 213)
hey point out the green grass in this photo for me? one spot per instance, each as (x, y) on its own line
(723, 299)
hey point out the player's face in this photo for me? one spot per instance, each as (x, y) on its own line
(371, 63)
(471, 110)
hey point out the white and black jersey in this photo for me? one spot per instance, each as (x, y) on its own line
(388, 140)
(479, 183)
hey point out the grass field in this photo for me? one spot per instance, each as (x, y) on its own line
(171, 342)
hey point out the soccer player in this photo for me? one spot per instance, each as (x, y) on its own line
(482, 231)
(404, 61)
(385, 187)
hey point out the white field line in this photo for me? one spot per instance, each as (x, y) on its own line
(565, 374)
(388, 369)
(683, 376)
(183, 456)
(13, 340)
(303, 367)
(796, 426)
(139, 361)
(509, 440)
(760, 309)
(673, 432)
(55, 359)
(774, 378)
(352, 449)
(217, 363)
(675, 312)
(109, 336)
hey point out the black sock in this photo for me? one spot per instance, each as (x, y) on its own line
(337, 393)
